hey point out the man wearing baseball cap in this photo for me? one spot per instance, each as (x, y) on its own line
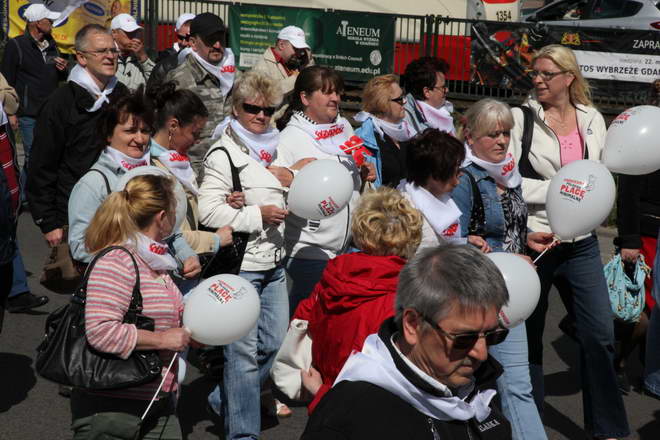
(208, 70)
(133, 65)
(168, 59)
(287, 58)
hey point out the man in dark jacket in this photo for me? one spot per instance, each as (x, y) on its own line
(33, 67)
(65, 141)
(426, 374)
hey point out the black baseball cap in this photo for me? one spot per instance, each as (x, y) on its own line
(206, 24)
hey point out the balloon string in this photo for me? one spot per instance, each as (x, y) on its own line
(546, 250)
(153, 399)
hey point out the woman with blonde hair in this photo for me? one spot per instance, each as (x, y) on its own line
(356, 291)
(384, 129)
(139, 219)
(565, 127)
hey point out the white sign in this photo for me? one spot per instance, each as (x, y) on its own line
(619, 66)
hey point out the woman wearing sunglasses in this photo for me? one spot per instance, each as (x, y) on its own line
(566, 127)
(250, 142)
(490, 199)
(384, 129)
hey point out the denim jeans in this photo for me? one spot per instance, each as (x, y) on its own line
(576, 269)
(303, 275)
(515, 388)
(26, 125)
(652, 367)
(19, 282)
(248, 361)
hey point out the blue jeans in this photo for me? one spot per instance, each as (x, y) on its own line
(248, 361)
(652, 367)
(515, 388)
(303, 275)
(19, 284)
(26, 125)
(577, 272)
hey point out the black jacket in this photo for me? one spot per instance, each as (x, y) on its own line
(26, 71)
(638, 209)
(7, 224)
(360, 410)
(65, 146)
(166, 63)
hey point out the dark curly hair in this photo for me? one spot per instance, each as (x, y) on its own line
(422, 73)
(433, 153)
(169, 102)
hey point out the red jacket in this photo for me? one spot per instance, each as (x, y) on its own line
(354, 296)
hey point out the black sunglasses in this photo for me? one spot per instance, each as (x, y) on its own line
(465, 341)
(213, 38)
(182, 37)
(400, 100)
(255, 109)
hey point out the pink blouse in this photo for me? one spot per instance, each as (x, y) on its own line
(571, 147)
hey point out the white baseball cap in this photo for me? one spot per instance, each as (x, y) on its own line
(124, 22)
(183, 19)
(36, 12)
(294, 35)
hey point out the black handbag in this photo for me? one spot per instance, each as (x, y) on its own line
(227, 259)
(65, 356)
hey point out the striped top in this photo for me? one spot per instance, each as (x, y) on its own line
(108, 297)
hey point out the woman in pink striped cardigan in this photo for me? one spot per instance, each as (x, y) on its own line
(139, 218)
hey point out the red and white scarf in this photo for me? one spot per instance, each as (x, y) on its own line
(336, 138)
(155, 254)
(263, 147)
(225, 70)
(505, 173)
(179, 165)
(400, 132)
(127, 162)
(441, 212)
(439, 118)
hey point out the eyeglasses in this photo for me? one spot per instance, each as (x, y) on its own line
(545, 76)
(255, 109)
(443, 87)
(182, 37)
(498, 133)
(112, 51)
(400, 100)
(465, 341)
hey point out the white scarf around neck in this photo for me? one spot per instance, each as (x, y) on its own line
(262, 147)
(225, 70)
(439, 118)
(505, 173)
(400, 132)
(82, 77)
(126, 162)
(374, 364)
(336, 138)
(155, 254)
(441, 212)
(179, 165)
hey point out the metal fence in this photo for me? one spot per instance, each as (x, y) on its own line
(482, 64)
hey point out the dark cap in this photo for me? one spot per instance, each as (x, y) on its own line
(206, 24)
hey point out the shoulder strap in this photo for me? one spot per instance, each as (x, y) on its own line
(477, 224)
(136, 297)
(105, 179)
(236, 181)
(524, 165)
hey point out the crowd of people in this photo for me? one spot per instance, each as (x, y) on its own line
(399, 297)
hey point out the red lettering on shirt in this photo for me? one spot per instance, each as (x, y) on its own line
(450, 231)
(331, 132)
(265, 156)
(178, 157)
(228, 69)
(158, 249)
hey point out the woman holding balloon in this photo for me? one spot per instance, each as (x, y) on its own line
(489, 197)
(567, 128)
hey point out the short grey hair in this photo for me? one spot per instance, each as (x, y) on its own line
(483, 116)
(254, 84)
(81, 36)
(436, 278)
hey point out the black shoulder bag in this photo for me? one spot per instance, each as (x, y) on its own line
(524, 165)
(227, 259)
(65, 356)
(477, 224)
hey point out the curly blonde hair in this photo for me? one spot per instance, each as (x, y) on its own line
(254, 84)
(385, 223)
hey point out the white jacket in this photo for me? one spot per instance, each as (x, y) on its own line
(544, 154)
(315, 239)
(266, 244)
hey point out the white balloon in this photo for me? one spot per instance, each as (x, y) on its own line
(580, 197)
(179, 192)
(221, 309)
(523, 285)
(632, 142)
(320, 190)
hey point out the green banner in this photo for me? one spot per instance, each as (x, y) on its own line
(359, 45)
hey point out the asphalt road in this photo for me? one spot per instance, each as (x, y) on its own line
(31, 409)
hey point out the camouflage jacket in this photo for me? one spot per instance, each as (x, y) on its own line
(192, 76)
